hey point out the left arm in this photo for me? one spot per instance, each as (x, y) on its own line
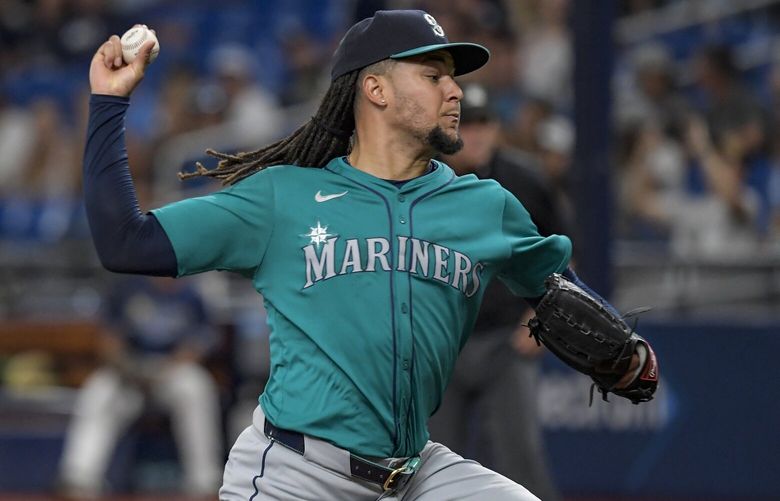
(617, 358)
(585, 334)
(638, 359)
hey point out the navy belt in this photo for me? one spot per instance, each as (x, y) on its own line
(389, 478)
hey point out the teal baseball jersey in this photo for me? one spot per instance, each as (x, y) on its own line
(371, 289)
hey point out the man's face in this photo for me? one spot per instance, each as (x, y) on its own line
(425, 100)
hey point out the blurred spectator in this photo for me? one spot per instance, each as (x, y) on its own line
(54, 32)
(489, 409)
(175, 113)
(523, 133)
(722, 220)
(500, 76)
(252, 112)
(652, 97)
(157, 334)
(17, 140)
(728, 104)
(652, 182)
(87, 23)
(53, 169)
(555, 137)
(39, 192)
(651, 119)
(738, 122)
(42, 150)
(546, 54)
(555, 142)
(306, 61)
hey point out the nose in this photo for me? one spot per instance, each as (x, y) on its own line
(454, 92)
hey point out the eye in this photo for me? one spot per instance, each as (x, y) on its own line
(434, 78)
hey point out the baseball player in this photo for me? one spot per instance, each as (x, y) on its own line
(157, 333)
(371, 275)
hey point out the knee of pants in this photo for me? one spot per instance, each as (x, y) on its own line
(190, 382)
(105, 393)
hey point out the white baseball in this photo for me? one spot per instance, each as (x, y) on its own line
(134, 38)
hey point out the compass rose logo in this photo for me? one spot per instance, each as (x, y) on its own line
(318, 234)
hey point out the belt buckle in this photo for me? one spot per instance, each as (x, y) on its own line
(409, 466)
(388, 485)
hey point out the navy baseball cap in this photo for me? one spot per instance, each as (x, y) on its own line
(397, 34)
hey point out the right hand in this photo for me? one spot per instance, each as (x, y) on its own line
(110, 75)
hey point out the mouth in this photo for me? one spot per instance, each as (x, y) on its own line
(455, 116)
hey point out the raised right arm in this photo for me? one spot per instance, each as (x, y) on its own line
(126, 240)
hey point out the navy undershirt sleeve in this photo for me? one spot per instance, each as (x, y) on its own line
(573, 278)
(126, 239)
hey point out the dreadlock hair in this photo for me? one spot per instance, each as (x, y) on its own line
(326, 136)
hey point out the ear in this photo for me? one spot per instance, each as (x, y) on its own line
(375, 89)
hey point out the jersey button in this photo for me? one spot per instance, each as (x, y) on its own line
(404, 308)
(406, 365)
(401, 198)
(402, 219)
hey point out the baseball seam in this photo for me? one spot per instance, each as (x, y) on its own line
(135, 45)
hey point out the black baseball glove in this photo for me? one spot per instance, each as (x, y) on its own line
(588, 337)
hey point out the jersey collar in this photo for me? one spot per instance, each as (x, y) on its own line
(440, 176)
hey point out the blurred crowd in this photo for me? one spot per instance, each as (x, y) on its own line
(694, 153)
(697, 163)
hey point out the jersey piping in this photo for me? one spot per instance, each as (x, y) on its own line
(411, 302)
(396, 424)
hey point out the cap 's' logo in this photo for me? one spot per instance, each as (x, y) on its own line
(437, 29)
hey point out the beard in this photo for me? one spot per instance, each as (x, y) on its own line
(441, 142)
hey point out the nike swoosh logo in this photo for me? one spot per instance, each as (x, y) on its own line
(319, 197)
